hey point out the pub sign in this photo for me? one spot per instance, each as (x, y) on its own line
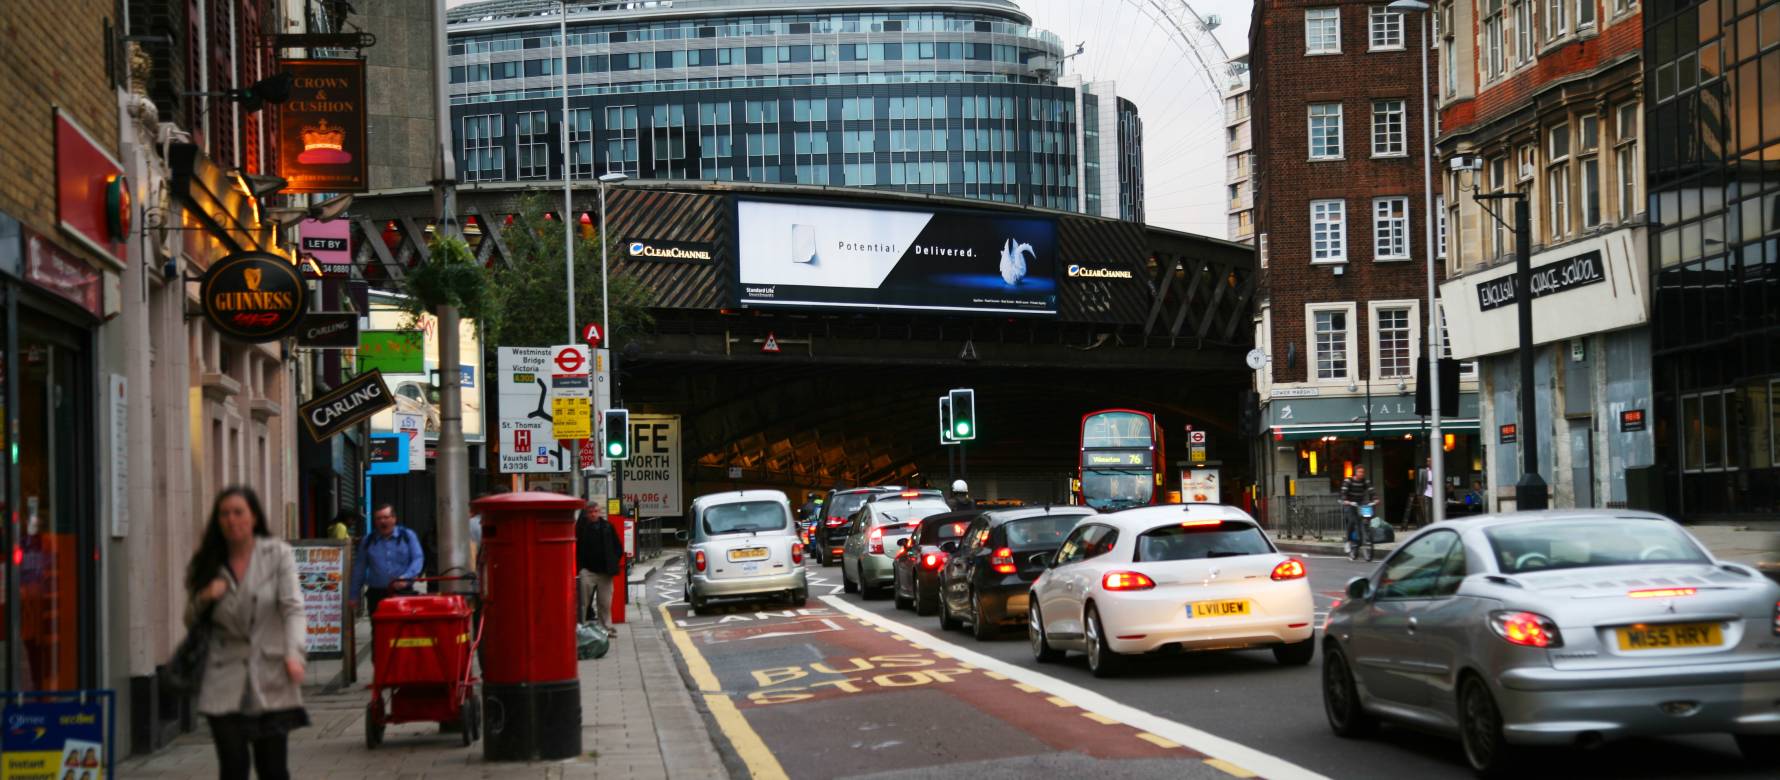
(321, 128)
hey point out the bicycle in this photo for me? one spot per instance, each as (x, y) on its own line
(1359, 525)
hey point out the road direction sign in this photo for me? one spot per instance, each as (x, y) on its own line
(592, 335)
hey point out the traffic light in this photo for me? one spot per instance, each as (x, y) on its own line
(964, 414)
(945, 420)
(617, 434)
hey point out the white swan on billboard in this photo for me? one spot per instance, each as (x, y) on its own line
(1013, 260)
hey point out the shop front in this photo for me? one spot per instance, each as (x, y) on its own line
(1319, 441)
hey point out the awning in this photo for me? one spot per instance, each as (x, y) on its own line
(220, 199)
(1379, 429)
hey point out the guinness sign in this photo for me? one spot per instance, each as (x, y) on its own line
(253, 296)
(344, 406)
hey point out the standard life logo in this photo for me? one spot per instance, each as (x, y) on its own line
(1082, 271)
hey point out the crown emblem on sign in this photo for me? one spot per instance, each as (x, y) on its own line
(323, 136)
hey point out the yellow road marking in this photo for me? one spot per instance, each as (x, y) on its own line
(748, 745)
(1026, 688)
(1099, 718)
(1060, 701)
(1229, 768)
(1160, 742)
(995, 675)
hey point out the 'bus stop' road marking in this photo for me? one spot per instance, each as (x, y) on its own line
(761, 763)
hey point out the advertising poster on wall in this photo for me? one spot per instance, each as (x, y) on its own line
(321, 573)
(54, 735)
(411, 376)
(794, 255)
(652, 475)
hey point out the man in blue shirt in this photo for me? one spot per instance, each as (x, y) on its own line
(388, 560)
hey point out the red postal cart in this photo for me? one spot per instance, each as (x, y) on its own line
(423, 650)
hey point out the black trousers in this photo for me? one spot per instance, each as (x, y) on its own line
(238, 748)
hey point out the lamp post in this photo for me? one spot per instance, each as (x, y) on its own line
(1436, 463)
(568, 223)
(1531, 492)
(615, 469)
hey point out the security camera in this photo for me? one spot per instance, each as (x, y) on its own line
(1465, 162)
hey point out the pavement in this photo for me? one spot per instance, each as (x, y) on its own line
(638, 718)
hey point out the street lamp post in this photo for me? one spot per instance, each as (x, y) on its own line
(614, 468)
(568, 224)
(1531, 492)
(1436, 463)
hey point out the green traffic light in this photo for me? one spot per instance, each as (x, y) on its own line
(962, 427)
(615, 449)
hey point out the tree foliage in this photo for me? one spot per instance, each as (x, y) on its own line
(528, 296)
(450, 276)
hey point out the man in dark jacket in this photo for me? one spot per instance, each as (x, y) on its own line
(598, 554)
(1357, 491)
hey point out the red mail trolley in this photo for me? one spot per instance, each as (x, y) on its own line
(423, 648)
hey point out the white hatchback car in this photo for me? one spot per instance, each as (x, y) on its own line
(1184, 577)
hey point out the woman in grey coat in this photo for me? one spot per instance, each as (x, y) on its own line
(244, 582)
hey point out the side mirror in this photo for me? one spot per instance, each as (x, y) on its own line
(1047, 559)
(1359, 588)
(948, 547)
(682, 535)
(903, 542)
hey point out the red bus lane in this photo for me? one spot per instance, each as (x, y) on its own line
(830, 695)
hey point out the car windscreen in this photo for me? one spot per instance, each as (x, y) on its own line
(1194, 540)
(845, 504)
(744, 516)
(1546, 545)
(1043, 531)
(934, 533)
(908, 511)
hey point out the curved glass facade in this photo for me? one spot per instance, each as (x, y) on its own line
(963, 102)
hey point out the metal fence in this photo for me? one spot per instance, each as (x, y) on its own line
(648, 538)
(1313, 517)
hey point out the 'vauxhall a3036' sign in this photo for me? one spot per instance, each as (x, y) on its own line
(253, 296)
(344, 406)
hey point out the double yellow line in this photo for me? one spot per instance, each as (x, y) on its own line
(748, 745)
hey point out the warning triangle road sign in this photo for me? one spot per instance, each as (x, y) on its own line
(771, 345)
(970, 350)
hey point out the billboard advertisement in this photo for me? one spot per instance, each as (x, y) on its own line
(652, 475)
(796, 255)
(409, 359)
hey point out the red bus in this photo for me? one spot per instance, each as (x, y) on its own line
(1122, 462)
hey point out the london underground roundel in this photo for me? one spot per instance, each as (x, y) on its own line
(253, 296)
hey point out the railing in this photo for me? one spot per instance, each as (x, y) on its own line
(1313, 517)
(648, 538)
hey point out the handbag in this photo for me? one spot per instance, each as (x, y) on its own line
(185, 670)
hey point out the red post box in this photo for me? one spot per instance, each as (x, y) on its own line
(531, 690)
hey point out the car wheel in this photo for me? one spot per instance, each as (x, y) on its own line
(1296, 653)
(902, 602)
(947, 621)
(696, 604)
(1103, 661)
(1341, 698)
(980, 627)
(865, 591)
(1762, 750)
(847, 583)
(1480, 730)
(925, 605)
(1042, 651)
(800, 597)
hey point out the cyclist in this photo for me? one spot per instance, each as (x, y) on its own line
(1356, 492)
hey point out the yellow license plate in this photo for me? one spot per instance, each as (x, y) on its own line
(749, 554)
(1214, 609)
(1670, 636)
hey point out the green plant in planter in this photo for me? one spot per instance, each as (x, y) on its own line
(450, 276)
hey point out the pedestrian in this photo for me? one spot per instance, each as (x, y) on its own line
(342, 527)
(388, 561)
(598, 554)
(244, 581)
(1357, 491)
(960, 499)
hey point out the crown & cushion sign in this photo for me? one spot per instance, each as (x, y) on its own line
(321, 129)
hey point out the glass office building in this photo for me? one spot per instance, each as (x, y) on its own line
(1712, 71)
(962, 98)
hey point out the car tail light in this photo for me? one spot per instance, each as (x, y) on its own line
(877, 541)
(698, 560)
(910, 494)
(1002, 561)
(1661, 593)
(1289, 569)
(835, 522)
(1527, 629)
(797, 553)
(935, 560)
(1200, 523)
(1126, 580)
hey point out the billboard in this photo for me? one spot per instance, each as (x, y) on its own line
(797, 255)
(652, 475)
(408, 360)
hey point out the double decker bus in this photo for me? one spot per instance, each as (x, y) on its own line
(1122, 461)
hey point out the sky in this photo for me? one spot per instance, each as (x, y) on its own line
(1182, 115)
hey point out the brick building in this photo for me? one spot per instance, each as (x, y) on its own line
(1545, 99)
(1340, 207)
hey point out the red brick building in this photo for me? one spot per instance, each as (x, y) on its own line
(1340, 212)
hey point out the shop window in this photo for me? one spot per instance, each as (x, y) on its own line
(1705, 443)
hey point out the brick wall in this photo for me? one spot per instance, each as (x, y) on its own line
(52, 54)
(1619, 37)
(1285, 82)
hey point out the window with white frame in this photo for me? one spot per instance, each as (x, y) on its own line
(1440, 227)
(1467, 368)
(1387, 128)
(1523, 32)
(1498, 169)
(1325, 131)
(1328, 231)
(532, 138)
(1622, 6)
(1322, 31)
(581, 143)
(484, 159)
(1493, 35)
(1557, 20)
(1585, 13)
(1386, 28)
(1394, 338)
(1450, 71)
(1588, 163)
(1625, 155)
(1557, 181)
(1390, 228)
(1331, 338)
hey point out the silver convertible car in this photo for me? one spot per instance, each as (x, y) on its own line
(1557, 628)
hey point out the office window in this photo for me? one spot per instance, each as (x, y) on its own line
(1322, 31)
(1329, 342)
(532, 132)
(1393, 340)
(1328, 231)
(1387, 128)
(483, 157)
(1588, 165)
(1557, 21)
(1557, 181)
(1390, 228)
(1440, 228)
(1325, 131)
(1386, 28)
(1625, 154)
(1585, 13)
(1705, 442)
(581, 143)
(810, 143)
(1493, 35)
(1449, 72)
(1523, 32)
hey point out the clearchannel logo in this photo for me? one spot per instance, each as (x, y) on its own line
(1078, 271)
(665, 250)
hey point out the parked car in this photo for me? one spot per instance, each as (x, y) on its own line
(919, 563)
(743, 543)
(986, 581)
(872, 539)
(838, 508)
(1170, 578)
(1560, 627)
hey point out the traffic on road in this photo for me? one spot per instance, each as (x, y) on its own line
(1182, 641)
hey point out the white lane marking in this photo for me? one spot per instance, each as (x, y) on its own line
(832, 626)
(1264, 764)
